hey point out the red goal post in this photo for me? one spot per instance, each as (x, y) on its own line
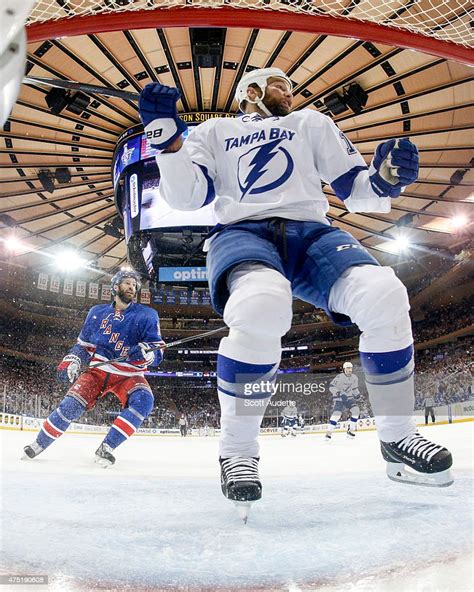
(437, 27)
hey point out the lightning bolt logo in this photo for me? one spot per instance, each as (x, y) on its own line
(257, 168)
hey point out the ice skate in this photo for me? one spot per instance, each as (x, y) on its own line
(240, 482)
(350, 435)
(32, 451)
(104, 456)
(417, 461)
(327, 437)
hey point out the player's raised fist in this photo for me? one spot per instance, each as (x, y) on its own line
(159, 115)
(395, 165)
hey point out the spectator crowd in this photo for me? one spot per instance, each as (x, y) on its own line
(444, 372)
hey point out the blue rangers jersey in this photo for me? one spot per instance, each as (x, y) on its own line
(254, 168)
(108, 334)
(345, 386)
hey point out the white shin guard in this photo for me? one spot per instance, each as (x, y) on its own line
(377, 302)
(258, 313)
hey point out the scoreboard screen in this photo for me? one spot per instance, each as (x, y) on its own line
(136, 180)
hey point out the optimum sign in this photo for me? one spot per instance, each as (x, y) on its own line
(183, 274)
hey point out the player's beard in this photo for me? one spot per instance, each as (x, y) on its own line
(277, 109)
(125, 297)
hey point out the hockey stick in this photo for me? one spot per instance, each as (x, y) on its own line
(87, 88)
(165, 346)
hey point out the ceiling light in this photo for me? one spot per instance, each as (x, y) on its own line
(396, 246)
(459, 221)
(401, 244)
(69, 261)
(12, 243)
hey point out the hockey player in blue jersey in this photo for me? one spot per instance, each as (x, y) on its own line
(345, 390)
(263, 173)
(123, 328)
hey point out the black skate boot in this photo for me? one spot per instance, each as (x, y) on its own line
(430, 461)
(351, 435)
(327, 437)
(104, 456)
(240, 482)
(32, 450)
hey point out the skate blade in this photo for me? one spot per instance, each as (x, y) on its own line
(398, 472)
(102, 462)
(243, 509)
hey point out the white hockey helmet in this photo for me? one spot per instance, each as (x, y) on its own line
(347, 366)
(13, 16)
(259, 77)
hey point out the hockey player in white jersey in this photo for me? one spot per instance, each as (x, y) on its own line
(345, 390)
(290, 419)
(263, 173)
(301, 423)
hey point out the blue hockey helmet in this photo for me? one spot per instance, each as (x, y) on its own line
(122, 275)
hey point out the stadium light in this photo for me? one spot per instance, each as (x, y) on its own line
(396, 246)
(69, 261)
(401, 244)
(12, 244)
(459, 221)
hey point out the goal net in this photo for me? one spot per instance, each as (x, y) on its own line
(445, 20)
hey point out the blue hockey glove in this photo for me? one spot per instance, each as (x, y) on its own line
(157, 107)
(395, 165)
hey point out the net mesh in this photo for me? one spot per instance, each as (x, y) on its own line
(446, 20)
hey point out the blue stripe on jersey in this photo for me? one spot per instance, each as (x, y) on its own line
(342, 186)
(234, 371)
(386, 362)
(211, 192)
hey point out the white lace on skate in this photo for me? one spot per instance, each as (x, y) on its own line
(419, 446)
(240, 468)
(423, 449)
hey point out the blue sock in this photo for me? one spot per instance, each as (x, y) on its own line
(244, 392)
(140, 404)
(390, 384)
(58, 422)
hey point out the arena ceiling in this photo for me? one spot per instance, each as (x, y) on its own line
(410, 94)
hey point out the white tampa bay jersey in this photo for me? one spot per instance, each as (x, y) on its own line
(290, 411)
(345, 386)
(251, 167)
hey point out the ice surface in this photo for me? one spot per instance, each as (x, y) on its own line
(329, 519)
